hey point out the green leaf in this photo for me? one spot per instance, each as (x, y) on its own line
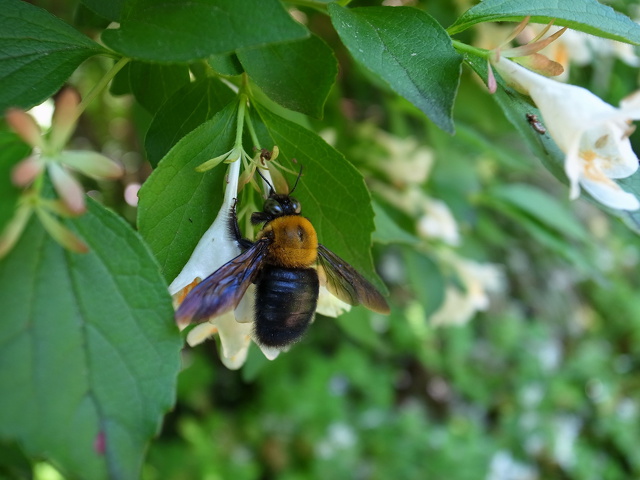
(550, 238)
(587, 16)
(89, 352)
(425, 278)
(227, 64)
(357, 324)
(543, 207)
(191, 106)
(388, 231)
(297, 75)
(409, 50)
(121, 85)
(169, 32)
(332, 192)
(38, 53)
(153, 84)
(177, 204)
(12, 150)
(110, 10)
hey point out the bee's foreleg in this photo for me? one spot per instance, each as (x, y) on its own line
(234, 228)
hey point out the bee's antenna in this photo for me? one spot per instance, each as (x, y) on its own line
(271, 189)
(297, 179)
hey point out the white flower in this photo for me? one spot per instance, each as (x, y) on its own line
(438, 222)
(434, 220)
(460, 305)
(593, 134)
(234, 328)
(215, 248)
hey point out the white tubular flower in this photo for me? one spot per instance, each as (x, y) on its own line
(438, 222)
(215, 248)
(478, 280)
(593, 134)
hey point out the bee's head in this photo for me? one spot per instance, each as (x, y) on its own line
(277, 205)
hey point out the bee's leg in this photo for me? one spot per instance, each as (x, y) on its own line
(234, 228)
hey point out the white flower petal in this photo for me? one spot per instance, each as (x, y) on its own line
(216, 247)
(235, 362)
(460, 305)
(631, 105)
(330, 305)
(610, 194)
(438, 222)
(270, 352)
(573, 165)
(610, 149)
(200, 333)
(245, 311)
(235, 337)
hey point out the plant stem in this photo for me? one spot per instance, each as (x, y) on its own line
(242, 106)
(478, 52)
(100, 86)
(252, 133)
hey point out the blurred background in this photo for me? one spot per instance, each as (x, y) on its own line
(512, 352)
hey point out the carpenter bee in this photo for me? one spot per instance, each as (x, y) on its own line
(284, 263)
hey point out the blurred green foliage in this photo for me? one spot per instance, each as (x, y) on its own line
(543, 384)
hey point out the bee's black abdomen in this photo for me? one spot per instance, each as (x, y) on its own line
(286, 300)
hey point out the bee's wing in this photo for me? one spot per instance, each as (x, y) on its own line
(223, 289)
(347, 284)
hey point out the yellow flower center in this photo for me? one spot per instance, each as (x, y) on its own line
(592, 171)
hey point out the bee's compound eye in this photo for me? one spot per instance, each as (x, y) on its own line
(295, 205)
(272, 207)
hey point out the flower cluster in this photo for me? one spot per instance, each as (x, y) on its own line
(48, 155)
(593, 135)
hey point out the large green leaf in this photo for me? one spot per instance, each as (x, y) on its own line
(191, 106)
(297, 75)
(89, 352)
(152, 84)
(110, 10)
(178, 204)
(332, 192)
(171, 31)
(588, 16)
(12, 150)
(409, 50)
(516, 107)
(38, 53)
